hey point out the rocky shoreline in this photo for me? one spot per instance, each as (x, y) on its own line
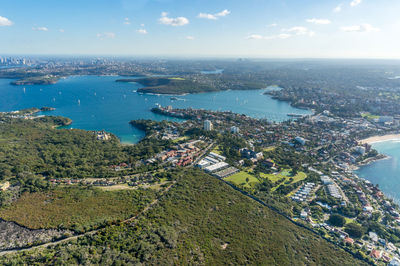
(14, 236)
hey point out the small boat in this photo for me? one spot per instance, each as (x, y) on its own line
(173, 99)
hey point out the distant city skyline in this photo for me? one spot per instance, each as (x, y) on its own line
(202, 28)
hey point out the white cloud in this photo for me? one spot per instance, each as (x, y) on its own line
(141, 31)
(272, 25)
(298, 30)
(106, 35)
(207, 16)
(40, 28)
(268, 37)
(319, 21)
(255, 37)
(355, 2)
(215, 16)
(61, 30)
(189, 38)
(178, 21)
(142, 25)
(5, 21)
(286, 33)
(338, 8)
(279, 36)
(127, 21)
(359, 28)
(223, 13)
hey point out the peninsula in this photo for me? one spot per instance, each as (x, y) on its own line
(41, 80)
(192, 84)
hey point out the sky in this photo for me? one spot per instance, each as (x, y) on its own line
(202, 28)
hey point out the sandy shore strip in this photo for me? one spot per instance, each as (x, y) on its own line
(375, 139)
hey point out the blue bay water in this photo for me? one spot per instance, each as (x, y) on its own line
(385, 172)
(98, 102)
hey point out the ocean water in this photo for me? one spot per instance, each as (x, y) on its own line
(98, 102)
(386, 172)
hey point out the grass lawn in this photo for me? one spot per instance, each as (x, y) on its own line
(271, 148)
(369, 116)
(217, 150)
(180, 139)
(286, 173)
(348, 220)
(240, 179)
(116, 187)
(75, 208)
(159, 186)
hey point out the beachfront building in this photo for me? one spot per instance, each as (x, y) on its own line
(360, 150)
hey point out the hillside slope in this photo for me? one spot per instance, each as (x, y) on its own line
(200, 221)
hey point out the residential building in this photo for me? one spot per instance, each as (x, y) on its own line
(208, 126)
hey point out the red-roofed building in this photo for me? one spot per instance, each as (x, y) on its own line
(349, 240)
(377, 254)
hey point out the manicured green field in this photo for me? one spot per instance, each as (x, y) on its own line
(240, 179)
(286, 173)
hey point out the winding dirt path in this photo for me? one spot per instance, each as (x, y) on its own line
(49, 244)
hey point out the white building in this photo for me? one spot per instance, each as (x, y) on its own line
(208, 125)
(360, 150)
(300, 140)
(217, 156)
(395, 262)
(326, 180)
(235, 130)
(216, 167)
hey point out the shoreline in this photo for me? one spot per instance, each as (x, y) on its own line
(379, 157)
(382, 138)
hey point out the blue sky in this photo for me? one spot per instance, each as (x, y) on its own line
(203, 28)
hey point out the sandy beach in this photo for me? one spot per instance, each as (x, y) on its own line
(375, 139)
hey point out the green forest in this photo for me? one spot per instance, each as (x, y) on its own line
(36, 147)
(200, 221)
